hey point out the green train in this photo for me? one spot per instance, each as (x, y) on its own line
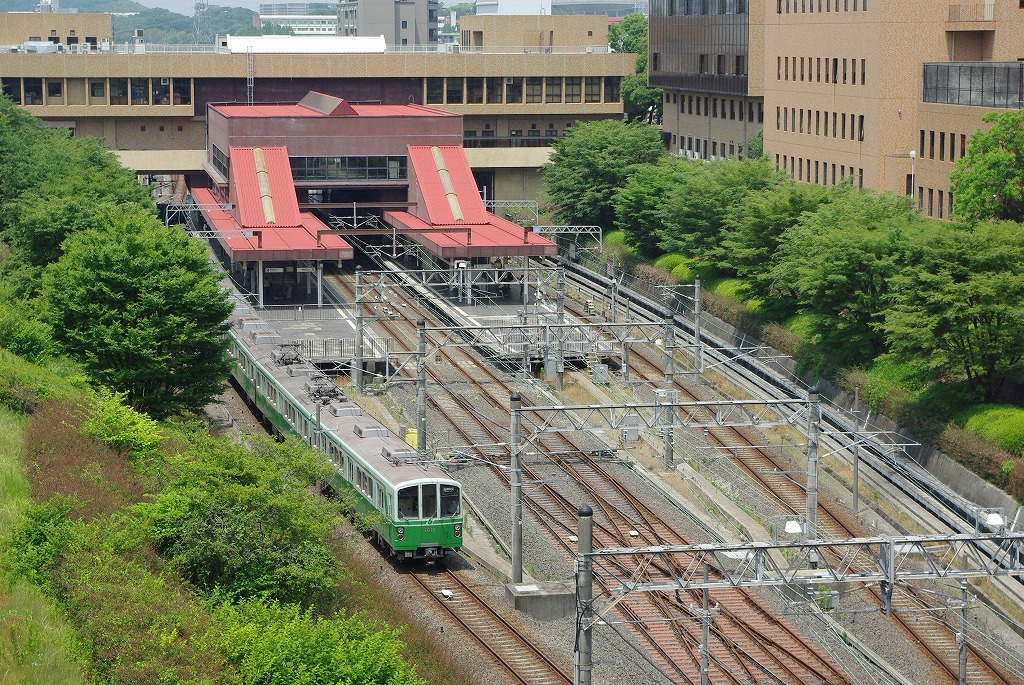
(419, 507)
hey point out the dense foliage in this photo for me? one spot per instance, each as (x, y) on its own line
(91, 272)
(141, 307)
(988, 180)
(591, 162)
(860, 276)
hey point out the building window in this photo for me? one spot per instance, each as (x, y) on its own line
(405, 24)
(162, 91)
(435, 90)
(573, 89)
(612, 88)
(220, 161)
(474, 90)
(33, 91)
(592, 89)
(182, 90)
(514, 90)
(534, 89)
(140, 91)
(553, 89)
(98, 89)
(119, 91)
(54, 91)
(453, 91)
(720, 64)
(494, 90)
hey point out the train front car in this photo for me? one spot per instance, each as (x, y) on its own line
(427, 520)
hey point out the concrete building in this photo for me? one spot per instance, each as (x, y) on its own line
(883, 94)
(507, 7)
(304, 24)
(707, 57)
(401, 22)
(150, 105)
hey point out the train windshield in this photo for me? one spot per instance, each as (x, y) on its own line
(450, 501)
(409, 502)
(429, 501)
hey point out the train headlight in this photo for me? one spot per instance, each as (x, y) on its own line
(401, 532)
(458, 530)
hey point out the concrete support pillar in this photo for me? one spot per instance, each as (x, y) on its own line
(585, 597)
(516, 480)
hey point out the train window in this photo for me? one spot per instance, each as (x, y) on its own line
(408, 502)
(449, 500)
(429, 501)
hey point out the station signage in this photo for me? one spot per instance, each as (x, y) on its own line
(274, 270)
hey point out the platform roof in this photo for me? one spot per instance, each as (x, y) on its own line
(264, 222)
(448, 197)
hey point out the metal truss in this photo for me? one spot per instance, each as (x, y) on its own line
(523, 212)
(885, 560)
(595, 233)
(708, 414)
(189, 214)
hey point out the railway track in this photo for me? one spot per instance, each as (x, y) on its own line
(772, 475)
(747, 646)
(510, 648)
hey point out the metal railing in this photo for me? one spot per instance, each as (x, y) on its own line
(133, 48)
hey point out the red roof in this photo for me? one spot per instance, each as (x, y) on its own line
(271, 243)
(248, 190)
(447, 185)
(297, 110)
(448, 198)
(495, 238)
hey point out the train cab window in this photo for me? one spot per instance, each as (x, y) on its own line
(429, 501)
(449, 501)
(408, 502)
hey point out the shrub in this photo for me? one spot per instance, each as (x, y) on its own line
(653, 275)
(973, 452)
(280, 644)
(1002, 424)
(683, 272)
(23, 385)
(38, 541)
(670, 261)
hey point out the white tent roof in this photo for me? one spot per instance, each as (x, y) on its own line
(305, 44)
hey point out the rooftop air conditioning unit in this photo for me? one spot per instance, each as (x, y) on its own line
(138, 33)
(165, 82)
(509, 80)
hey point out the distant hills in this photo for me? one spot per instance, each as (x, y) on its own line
(160, 25)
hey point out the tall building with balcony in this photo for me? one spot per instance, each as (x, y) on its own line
(706, 55)
(401, 22)
(886, 94)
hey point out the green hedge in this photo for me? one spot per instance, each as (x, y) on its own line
(1002, 424)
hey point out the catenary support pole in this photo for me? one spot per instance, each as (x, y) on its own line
(961, 638)
(516, 481)
(813, 421)
(696, 325)
(421, 386)
(357, 369)
(670, 350)
(584, 597)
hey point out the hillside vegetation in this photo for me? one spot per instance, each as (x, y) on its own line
(925, 317)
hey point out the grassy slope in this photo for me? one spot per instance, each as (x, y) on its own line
(36, 644)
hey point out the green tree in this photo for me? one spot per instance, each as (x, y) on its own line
(239, 519)
(591, 162)
(640, 201)
(988, 180)
(753, 230)
(838, 262)
(755, 145)
(958, 306)
(461, 9)
(140, 306)
(629, 34)
(695, 215)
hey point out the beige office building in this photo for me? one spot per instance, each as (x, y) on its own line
(884, 94)
(148, 102)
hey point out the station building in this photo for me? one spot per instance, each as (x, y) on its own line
(149, 102)
(401, 165)
(883, 94)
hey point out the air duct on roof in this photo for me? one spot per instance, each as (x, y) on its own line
(446, 183)
(264, 182)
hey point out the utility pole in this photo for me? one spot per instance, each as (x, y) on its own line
(584, 597)
(516, 482)
(421, 386)
(357, 370)
(813, 421)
